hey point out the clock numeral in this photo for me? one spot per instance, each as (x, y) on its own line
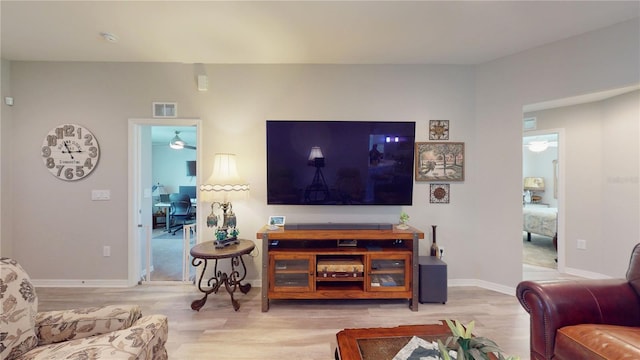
(68, 173)
(50, 163)
(88, 163)
(52, 140)
(69, 130)
(88, 140)
(46, 151)
(80, 133)
(79, 171)
(93, 151)
(59, 133)
(59, 167)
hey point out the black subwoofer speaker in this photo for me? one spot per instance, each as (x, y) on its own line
(433, 280)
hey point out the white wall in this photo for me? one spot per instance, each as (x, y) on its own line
(601, 60)
(233, 113)
(169, 167)
(6, 228)
(602, 157)
(480, 228)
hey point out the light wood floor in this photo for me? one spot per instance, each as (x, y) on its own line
(297, 329)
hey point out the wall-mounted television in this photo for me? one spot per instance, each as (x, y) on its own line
(340, 162)
(191, 168)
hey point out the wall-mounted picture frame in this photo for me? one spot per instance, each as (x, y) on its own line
(439, 193)
(276, 220)
(439, 161)
(438, 129)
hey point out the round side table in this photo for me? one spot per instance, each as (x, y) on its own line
(206, 251)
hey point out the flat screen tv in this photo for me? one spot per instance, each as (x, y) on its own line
(191, 168)
(340, 162)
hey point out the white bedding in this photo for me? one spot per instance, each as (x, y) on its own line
(541, 221)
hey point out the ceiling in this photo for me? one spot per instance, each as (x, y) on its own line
(295, 32)
(163, 134)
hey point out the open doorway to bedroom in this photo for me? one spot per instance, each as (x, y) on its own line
(174, 196)
(540, 177)
(156, 171)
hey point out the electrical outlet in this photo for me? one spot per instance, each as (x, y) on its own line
(106, 251)
(581, 244)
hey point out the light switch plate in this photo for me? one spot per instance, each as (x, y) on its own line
(100, 195)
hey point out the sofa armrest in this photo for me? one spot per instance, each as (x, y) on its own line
(64, 325)
(555, 304)
(144, 340)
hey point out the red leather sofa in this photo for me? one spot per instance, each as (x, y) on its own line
(585, 319)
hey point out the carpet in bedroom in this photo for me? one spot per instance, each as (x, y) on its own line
(539, 251)
(166, 255)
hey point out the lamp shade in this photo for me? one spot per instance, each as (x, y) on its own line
(534, 183)
(315, 153)
(159, 190)
(224, 181)
(316, 158)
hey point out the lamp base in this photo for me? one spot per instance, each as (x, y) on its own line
(221, 244)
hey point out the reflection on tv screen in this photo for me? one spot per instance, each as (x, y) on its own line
(340, 162)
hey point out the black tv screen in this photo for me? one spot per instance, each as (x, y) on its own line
(191, 168)
(340, 162)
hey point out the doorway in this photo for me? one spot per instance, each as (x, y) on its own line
(540, 198)
(156, 254)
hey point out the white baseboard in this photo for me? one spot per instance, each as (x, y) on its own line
(585, 274)
(80, 283)
(483, 284)
(111, 283)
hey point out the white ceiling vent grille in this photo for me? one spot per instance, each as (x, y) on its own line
(530, 123)
(165, 110)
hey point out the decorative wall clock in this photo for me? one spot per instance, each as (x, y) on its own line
(438, 129)
(70, 152)
(439, 193)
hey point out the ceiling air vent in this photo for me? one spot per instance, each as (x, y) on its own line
(165, 110)
(529, 123)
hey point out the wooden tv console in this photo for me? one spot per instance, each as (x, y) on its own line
(389, 258)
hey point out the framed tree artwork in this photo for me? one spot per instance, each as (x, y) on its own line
(439, 161)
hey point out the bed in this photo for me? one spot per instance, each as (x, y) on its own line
(541, 221)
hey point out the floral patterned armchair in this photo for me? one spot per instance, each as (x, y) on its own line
(108, 332)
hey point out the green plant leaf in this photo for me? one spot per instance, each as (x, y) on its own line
(444, 352)
(470, 327)
(453, 328)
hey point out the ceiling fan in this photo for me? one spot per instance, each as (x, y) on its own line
(178, 144)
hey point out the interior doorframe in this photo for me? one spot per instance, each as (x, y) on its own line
(135, 188)
(561, 190)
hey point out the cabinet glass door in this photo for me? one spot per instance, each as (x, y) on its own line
(388, 272)
(291, 273)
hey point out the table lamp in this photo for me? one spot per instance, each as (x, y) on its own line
(533, 184)
(223, 185)
(318, 187)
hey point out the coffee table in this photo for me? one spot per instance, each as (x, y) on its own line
(384, 343)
